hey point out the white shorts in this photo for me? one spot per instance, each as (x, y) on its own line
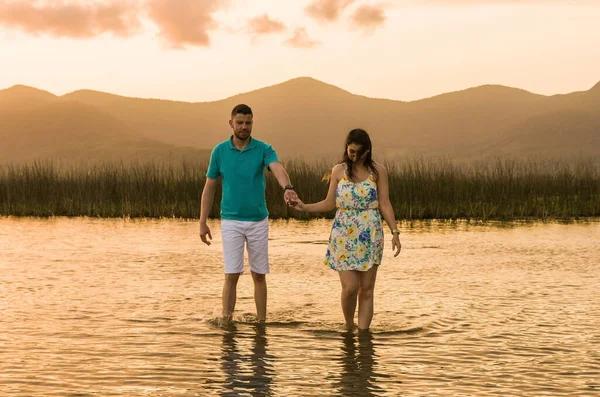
(256, 237)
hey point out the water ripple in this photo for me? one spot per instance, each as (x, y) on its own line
(464, 311)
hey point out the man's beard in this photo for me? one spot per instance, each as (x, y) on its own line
(241, 137)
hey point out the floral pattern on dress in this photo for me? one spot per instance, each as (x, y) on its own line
(356, 239)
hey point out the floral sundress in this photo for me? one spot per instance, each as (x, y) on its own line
(356, 240)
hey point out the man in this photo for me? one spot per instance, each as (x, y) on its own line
(240, 162)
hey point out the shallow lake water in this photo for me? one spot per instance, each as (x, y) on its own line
(116, 307)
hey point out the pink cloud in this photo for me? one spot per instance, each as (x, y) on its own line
(300, 39)
(181, 22)
(64, 19)
(184, 22)
(265, 25)
(369, 17)
(327, 10)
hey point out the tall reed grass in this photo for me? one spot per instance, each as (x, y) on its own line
(419, 189)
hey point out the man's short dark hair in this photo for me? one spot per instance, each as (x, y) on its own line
(241, 109)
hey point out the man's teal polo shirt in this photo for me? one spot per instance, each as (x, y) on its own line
(243, 178)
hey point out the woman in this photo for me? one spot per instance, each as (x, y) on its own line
(358, 188)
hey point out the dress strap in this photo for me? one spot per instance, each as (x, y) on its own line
(371, 169)
(372, 176)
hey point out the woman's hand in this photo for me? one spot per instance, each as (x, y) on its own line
(298, 205)
(396, 246)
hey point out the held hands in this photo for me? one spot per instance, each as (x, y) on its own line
(290, 197)
(292, 200)
(298, 205)
(205, 231)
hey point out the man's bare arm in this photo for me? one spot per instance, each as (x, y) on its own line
(280, 174)
(206, 203)
(289, 195)
(208, 197)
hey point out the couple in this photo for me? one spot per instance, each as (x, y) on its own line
(358, 188)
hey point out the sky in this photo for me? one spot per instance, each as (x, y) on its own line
(205, 50)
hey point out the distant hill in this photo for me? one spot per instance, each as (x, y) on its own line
(565, 131)
(307, 118)
(36, 125)
(21, 94)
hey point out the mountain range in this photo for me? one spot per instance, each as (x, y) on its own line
(302, 117)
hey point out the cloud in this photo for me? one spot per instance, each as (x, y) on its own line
(67, 19)
(327, 10)
(265, 25)
(369, 17)
(300, 39)
(181, 22)
(184, 22)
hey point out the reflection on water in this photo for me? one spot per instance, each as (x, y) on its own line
(359, 363)
(96, 307)
(257, 377)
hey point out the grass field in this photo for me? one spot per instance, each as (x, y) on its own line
(419, 189)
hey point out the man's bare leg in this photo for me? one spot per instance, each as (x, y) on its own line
(229, 295)
(260, 295)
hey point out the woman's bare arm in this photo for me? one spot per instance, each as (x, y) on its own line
(385, 206)
(329, 203)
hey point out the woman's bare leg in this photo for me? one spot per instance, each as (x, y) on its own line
(349, 280)
(365, 297)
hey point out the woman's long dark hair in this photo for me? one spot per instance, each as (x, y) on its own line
(360, 137)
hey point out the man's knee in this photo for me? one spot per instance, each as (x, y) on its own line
(259, 278)
(232, 278)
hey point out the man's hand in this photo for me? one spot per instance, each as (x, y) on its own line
(205, 231)
(290, 197)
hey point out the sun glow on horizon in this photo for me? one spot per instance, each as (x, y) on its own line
(404, 52)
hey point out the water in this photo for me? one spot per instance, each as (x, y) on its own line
(94, 307)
